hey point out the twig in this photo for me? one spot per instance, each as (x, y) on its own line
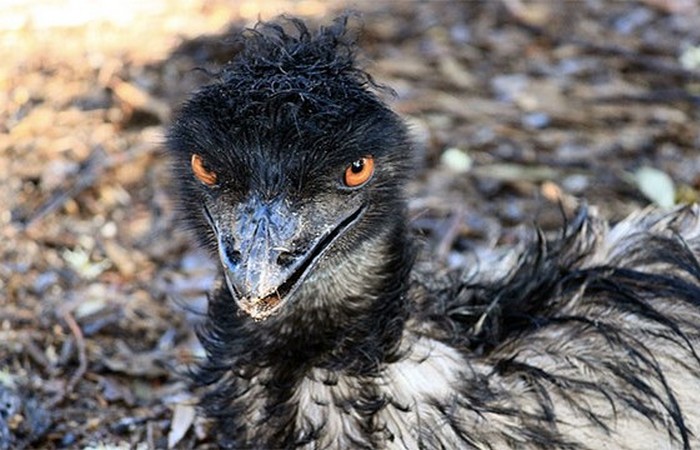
(88, 173)
(82, 358)
(648, 62)
(37, 355)
(86, 177)
(82, 354)
(139, 99)
(450, 235)
(653, 97)
(150, 434)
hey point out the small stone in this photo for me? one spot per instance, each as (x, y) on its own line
(536, 120)
(456, 160)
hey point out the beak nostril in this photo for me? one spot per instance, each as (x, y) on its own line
(233, 256)
(286, 258)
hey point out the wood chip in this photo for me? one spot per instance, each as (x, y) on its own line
(139, 99)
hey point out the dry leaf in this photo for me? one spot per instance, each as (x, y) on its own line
(656, 185)
(183, 417)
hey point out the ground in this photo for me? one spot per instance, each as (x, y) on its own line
(520, 110)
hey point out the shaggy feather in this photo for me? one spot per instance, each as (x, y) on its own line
(587, 340)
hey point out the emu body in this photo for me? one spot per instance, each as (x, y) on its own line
(323, 331)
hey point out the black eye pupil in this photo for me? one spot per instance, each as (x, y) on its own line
(357, 166)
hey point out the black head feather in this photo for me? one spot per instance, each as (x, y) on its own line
(277, 64)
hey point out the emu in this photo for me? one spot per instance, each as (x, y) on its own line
(328, 328)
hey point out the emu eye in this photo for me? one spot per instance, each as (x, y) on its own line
(359, 172)
(205, 176)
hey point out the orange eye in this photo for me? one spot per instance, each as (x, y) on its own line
(205, 176)
(359, 172)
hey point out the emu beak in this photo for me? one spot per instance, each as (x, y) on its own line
(268, 251)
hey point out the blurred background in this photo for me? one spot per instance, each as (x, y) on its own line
(520, 110)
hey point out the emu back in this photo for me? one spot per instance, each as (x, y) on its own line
(587, 341)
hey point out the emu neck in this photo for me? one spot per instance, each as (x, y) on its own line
(351, 317)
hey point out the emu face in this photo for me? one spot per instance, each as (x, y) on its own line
(285, 175)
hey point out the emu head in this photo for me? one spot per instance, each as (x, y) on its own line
(288, 167)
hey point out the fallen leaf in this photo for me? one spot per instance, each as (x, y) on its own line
(656, 185)
(456, 160)
(183, 417)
